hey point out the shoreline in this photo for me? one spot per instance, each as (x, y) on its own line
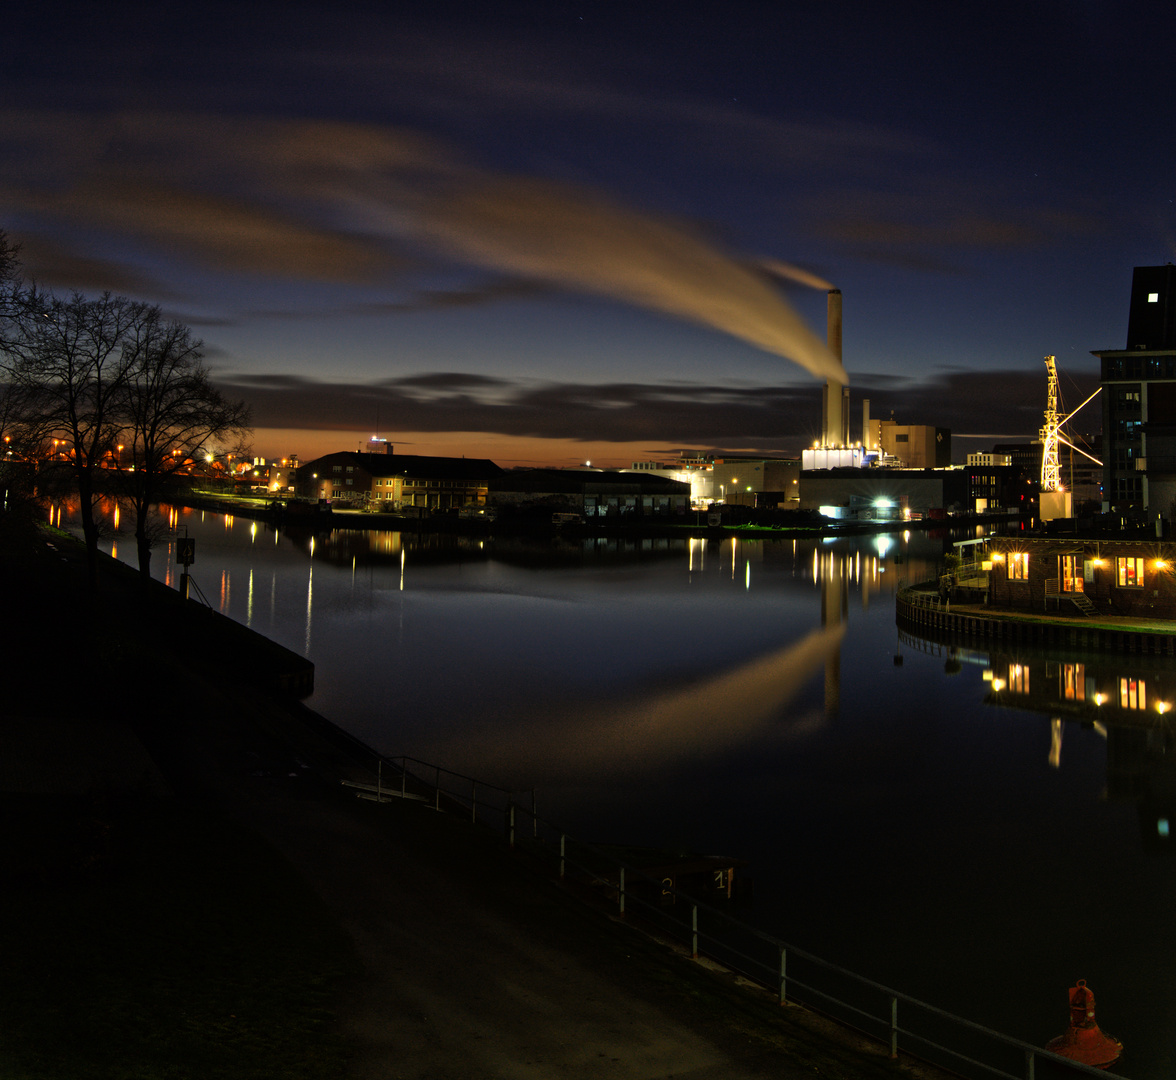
(792, 524)
(918, 610)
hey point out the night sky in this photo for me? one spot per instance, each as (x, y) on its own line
(553, 232)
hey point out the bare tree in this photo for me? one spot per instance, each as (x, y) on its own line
(172, 413)
(68, 364)
(9, 263)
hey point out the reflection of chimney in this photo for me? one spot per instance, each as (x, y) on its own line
(834, 612)
(832, 421)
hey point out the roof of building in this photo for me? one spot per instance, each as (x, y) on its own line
(417, 467)
(579, 481)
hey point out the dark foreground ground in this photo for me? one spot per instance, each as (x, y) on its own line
(190, 893)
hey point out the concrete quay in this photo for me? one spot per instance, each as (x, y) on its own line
(919, 610)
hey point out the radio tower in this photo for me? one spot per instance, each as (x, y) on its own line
(1051, 471)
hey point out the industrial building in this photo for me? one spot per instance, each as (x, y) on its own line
(884, 494)
(757, 481)
(914, 446)
(592, 493)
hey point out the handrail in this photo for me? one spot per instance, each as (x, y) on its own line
(770, 972)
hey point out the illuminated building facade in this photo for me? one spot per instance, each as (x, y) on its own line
(917, 446)
(387, 481)
(748, 481)
(1075, 576)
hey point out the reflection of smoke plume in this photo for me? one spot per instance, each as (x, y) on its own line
(323, 200)
(722, 714)
(796, 273)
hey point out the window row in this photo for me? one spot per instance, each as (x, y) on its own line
(1074, 571)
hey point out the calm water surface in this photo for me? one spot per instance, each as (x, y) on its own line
(903, 819)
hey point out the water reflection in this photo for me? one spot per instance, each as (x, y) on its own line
(1127, 700)
(652, 733)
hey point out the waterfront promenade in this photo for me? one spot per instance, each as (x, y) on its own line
(468, 961)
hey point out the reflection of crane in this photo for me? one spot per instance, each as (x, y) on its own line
(1051, 432)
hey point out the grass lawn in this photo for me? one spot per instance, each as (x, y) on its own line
(143, 939)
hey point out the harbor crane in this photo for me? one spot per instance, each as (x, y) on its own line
(1051, 432)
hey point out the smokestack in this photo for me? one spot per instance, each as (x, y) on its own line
(832, 421)
(866, 423)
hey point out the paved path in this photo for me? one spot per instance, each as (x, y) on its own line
(479, 966)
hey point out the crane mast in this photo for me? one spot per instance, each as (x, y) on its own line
(1051, 470)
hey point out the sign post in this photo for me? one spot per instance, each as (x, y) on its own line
(185, 556)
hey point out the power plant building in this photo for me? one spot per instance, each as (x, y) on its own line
(917, 446)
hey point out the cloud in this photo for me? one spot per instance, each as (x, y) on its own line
(747, 418)
(916, 227)
(44, 259)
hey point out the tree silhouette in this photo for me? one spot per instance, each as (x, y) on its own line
(171, 413)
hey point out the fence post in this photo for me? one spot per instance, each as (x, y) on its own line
(694, 931)
(893, 1028)
(562, 853)
(1030, 1059)
(512, 823)
(783, 975)
(621, 891)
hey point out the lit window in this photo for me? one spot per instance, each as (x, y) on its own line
(1130, 573)
(1132, 694)
(1073, 682)
(1153, 297)
(1019, 566)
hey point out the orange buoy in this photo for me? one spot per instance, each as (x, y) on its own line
(1083, 1040)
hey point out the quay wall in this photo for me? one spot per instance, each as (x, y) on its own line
(921, 611)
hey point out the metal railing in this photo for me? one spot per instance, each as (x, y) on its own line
(794, 976)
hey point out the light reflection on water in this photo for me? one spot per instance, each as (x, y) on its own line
(976, 829)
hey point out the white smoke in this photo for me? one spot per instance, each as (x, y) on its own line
(330, 201)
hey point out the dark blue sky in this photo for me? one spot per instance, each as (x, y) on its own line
(537, 232)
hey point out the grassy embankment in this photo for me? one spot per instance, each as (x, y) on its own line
(144, 935)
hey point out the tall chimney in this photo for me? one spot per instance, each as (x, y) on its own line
(831, 421)
(866, 423)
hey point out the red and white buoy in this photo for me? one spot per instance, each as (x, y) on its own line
(1083, 1040)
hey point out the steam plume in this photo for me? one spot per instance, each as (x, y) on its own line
(329, 201)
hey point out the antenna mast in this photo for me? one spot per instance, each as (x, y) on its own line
(1051, 470)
